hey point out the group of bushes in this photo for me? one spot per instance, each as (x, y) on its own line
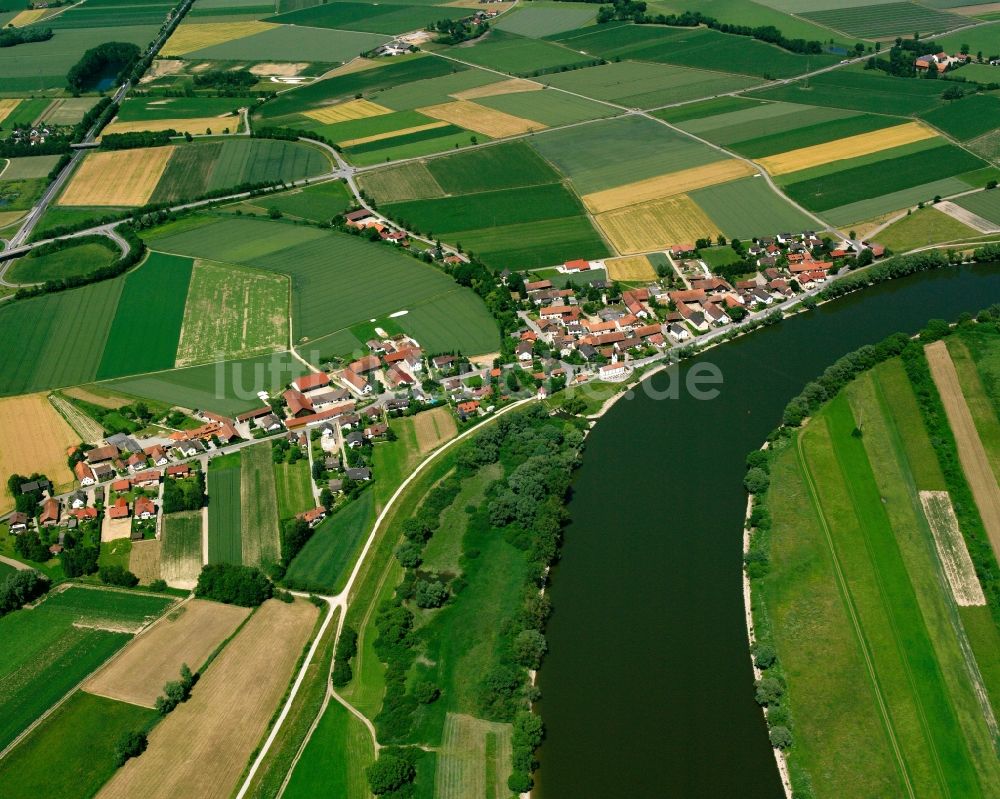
(11, 36)
(20, 588)
(234, 585)
(770, 689)
(184, 494)
(136, 139)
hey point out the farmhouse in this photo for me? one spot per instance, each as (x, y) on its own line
(102, 454)
(119, 510)
(363, 365)
(311, 382)
(298, 403)
(178, 470)
(314, 516)
(49, 517)
(356, 382)
(18, 522)
(145, 508)
(84, 474)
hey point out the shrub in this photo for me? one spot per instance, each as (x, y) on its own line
(430, 594)
(756, 480)
(426, 692)
(20, 588)
(234, 585)
(116, 575)
(769, 690)
(130, 744)
(529, 648)
(781, 737)
(764, 656)
(158, 585)
(388, 774)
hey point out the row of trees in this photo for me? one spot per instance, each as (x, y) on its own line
(135, 139)
(10, 36)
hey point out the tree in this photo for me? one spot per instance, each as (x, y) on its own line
(116, 575)
(756, 480)
(234, 585)
(781, 737)
(426, 692)
(129, 744)
(409, 555)
(388, 774)
(430, 594)
(20, 588)
(764, 656)
(520, 782)
(529, 648)
(769, 691)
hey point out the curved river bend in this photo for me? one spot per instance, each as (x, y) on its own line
(647, 689)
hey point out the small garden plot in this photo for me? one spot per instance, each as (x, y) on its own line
(232, 312)
(969, 117)
(133, 344)
(656, 225)
(144, 559)
(228, 387)
(433, 428)
(293, 488)
(887, 20)
(475, 758)
(747, 208)
(951, 549)
(327, 558)
(74, 261)
(118, 178)
(260, 539)
(644, 85)
(643, 149)
(181, 548)
(719, 256)
(225, 540)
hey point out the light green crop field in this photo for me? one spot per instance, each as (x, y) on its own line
(984, 203)
(259, 534)
(502, 166)
(434, 90)
(141, 109)
(232, 312)
(967, 118)
(84, 731)
(293, 488)
(922, 227)
(548, 107)
(228, 387)
(645, 85)
(61, 337)
(749, 207)
(30, 167)
(887, 19)
(519, 55)
(74, 261)
(318, 203)
(643, 149)
(228, 240)
(134, 346)
(747, 122)
(534, 244)
(181, 546)
(51, 648)
(851, 500)
(538, 21)
(225, 539)
(293, 43)
(327, 558)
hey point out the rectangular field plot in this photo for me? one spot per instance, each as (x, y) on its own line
(749, 207)
(548, 107)
(633, 267)
(414, 144)
(518, 55)
(232, 312)
(327, 558)
(969, 117)
(289, 43)
(656, 225)
(84, 730)
(293, 488)
(189, 634)
(240, 692)
(318, 203)
(29, 168)
(503, 166)
(754, 121)
(817, 127)
(117, 178)
(480, 118)
(644, 85)
(61, 337)
(229, 387)
(535, 244)
(537, 22)
(887, 19)
(134, 345)
(259, 534)
(181, 548)
(643, 149)
(225, 542)
(52, 647)
(455, 317)
(475, 758)
(955, 560)
(983, 203)
(229, 240)
(409, 181)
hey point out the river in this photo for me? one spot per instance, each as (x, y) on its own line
(647, 690)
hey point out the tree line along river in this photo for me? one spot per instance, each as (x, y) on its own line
(647, 690)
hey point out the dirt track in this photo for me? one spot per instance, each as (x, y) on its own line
(971, 453)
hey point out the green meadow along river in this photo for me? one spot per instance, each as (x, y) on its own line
(647, 690)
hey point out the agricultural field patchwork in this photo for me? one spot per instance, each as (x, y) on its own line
(885, 20)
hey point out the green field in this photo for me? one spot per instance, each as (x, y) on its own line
(134, 345)
(293, 488)
(643, 149)
(318, 203)
(967, 118)
(534, 244)
(922, 227)
(84, 732)
(371, 17)
(889, 175)
(519, 55)
(861, 91)
(327, 558)
(706, 109)
(548, 107)
(60, 337)
(984, 203)
(111, 15)
(232, 312)
(46, 653)
(887, 19)
(644, 85)
(225, 510)
(433, 90)
(29, 167)
(692, 47)
(229, 388)
(181, 545)
(982, 37)
(748, 207)
(502, 166)
(756, 121)
(74, 261)
(412, 145)
(141, 109)
(538, 21)
(231, 241)
(853, 499)
(317, 773)
(292, 43)
(809, 135)
(259, 534)
(451, 322)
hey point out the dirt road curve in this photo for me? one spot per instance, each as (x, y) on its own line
(971, 453)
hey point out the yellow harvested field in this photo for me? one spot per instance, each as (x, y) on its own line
(512, 86)
(971, 452)
(280, 70)
(144, 560)
(187, 634)
(656, 225)
(105, 401)
(191, 36)
(119, 177)
(390, 134)
(33, 438)
(481, 119)
(352, 109)
(849, 147)
(433, 428)
(7, 108)
(952, 551)
(114, 529)
(192, 125)
(357, 65)
(28, 17)
(9, 217)
(631, 267)
(202, 747)
(666, 185)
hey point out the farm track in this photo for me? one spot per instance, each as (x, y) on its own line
(971, 453)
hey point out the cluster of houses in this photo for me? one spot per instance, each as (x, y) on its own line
(941, 62)
(34, 134)
(363, 219)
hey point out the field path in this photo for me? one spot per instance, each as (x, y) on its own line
(16, 564)
(971, 453)
(853, 615)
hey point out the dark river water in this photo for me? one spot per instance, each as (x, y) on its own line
(647, 690)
